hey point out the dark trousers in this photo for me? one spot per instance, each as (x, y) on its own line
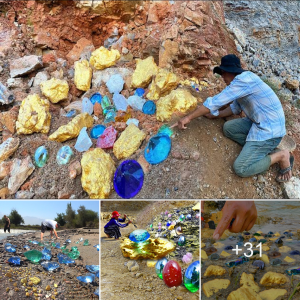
(113, 231)
(7, 227)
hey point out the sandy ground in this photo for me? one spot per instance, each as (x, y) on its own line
(117, 282)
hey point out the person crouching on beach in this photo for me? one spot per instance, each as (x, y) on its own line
(111, 229)
(49, 225)
(7, 224)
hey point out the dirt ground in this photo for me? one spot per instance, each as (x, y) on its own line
(116, 280)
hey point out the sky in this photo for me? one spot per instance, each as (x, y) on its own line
(33, 212)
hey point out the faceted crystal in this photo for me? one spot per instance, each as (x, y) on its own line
(63, 247)
(87, 278)
(74, 254)
(128, 179)
(87, 106)
(120, 102)
(64, 259)
(83, 142)
(86, 242)
(33, 255)
(49, 266)
(35, 242)
(157, 149)
(293, 271)
(26, 247)
(108, 138)
(149, 108)
(165, 130)
(92, 268)
(57, 245)
(106, 105)
(133, 121)
(172, 274)
(181, 240)
(64, 155)
(139, 92)
(191, 277)
(10, 248)
(41, 156)
(159, 266)
(110, 116)
(115, 83)
(71, 113)
(96, 98)
(16, 260)
(46, 256)
(65, 251)
(97, 131)
(136, 102)
(74, 248)
(97, 246)
(123, 117)
(139, 235)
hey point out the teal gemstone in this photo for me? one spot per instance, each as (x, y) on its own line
(97, 131)
(149, 108)
(74, 254)
(106, 105)
(33, 255)
(96, 98)
(41, 156)
(139, 235)
(86, 243)
(293, 271)
(65, 251)
(64, 155)
(110, 116)
(157, 149)
(191, 277)
(165, 130)
(181, 240)
(159, 266)
(74, 248)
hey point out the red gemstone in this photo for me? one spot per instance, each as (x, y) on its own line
(107, 138)
(172, 274)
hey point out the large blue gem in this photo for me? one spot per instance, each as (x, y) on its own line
(128, 179)
(14, 260)
(46, 256)
(41, 156)
(96, 98)
(9, 248)
(191, 277)
(92, 268)
(149, 108)
(49, 266)
(139, 235)
(139, 92)
(64, 155)
(165, 130)
(158, 149)
(97, 131)
(64, 259)
(159, 266)
(87, 278)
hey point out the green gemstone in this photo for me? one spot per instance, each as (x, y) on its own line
(151, 225)
(65, 251)
(74, 248)
(41, 244)
(53, 244)
(33, 255)
(63, 247)
(41, 156)
(257, 234)
(77, 242)
(86, 243)
(191, 277)
(74, 254)
(181, 240)
(160, 266)
(263, 241)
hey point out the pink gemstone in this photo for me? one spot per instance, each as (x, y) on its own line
(172, 274)
(166, 212)
(108, 138)
(169, 215)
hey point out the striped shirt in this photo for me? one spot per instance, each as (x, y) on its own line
(248, 93)
(115, 222)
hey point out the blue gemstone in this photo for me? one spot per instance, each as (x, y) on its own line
(26, 247)
(139, 92)
(246, 233)
(295, 252)
(64, 259)
(157, 149)
(139, 235)
(128, 179)
(34, 242)
(14, 260)
(68, 241)
(92, 268)
(96, 292)
(71, 113)
(188, 217)
(46, 256)
(97, 274)
(10, 248)
(181, 241)
(181, 216)
(270, 232)
(49, 266)
(46, 251)
(149, 108)
(253, 240)
(191, 277)
(57, 245)
(259, 263)
(97, 246)
(159, 266)
(96, 98)
(165, 130)
(87, 278)
(228, 248)
(168, 224)
(41, 156)
(64, 155)
(97, 131)
(178, 210)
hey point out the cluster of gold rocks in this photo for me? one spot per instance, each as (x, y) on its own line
(34, 114)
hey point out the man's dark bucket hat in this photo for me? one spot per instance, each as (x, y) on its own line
(229, 63)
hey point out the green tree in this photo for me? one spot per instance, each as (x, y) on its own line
(60, 219)
(85, 216)
(70, 215)
(15, 218)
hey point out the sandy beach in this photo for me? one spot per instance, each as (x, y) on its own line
(61, 283)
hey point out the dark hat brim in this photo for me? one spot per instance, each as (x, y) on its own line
(234, 70)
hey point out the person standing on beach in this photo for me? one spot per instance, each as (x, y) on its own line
(111, 229)
(7, 224)
(49, 225)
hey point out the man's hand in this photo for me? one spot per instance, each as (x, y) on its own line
(129, 222)
(182, 122)
(125, 216)
(210, 116)
(244, 213)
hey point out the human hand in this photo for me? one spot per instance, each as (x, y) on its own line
(210, 116)
(244, 213)
(129, 222)
(182, 122)
(125, 216)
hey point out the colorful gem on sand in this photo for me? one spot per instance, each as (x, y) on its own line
(165, 130)
(96, 98)
(108, 138)
(191, 277)
(181, 240)
(157, 149)
(34, 255)
(139, 235)
(87, 278)
(41, 156)
(293, 271)
(172, 274)
(64, 155)
(159, 266)
(149, 108)
(86, 242)
(97, 130)
(16, 260)
(93, 268)
(49, 266)
(139, 92)
(128, 179)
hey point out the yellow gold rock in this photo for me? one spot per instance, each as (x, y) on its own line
(8, 147)
(178, 101)
(103, 58)
(143, 73)
(243, 293)
(48, 288)
(289, 259)
(202, 245)
(265, 258)
(128, 142)
(284, 249)
(151, 263)
(272, 278)
(203, 255)
(34, 289)
(197, 206)
(171, 227)
(83, 75)
(277, 234)
(218, 245)
(9, 275)
(265, 248)
(98, 170)
(163, 83)
(27, 294)
(55, 285)
(34, 115)
(55, 89)
(247, 281)
(272, 294)
(225, 254)
(151, 248)
(259, 237)
(72, 129)
(35, 280)
(214, 271)
(211, 287)
(7, 289)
